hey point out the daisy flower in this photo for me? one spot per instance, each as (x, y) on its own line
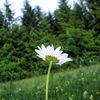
(50, 54)
(53, 56)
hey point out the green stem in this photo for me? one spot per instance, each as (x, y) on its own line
(47, 82)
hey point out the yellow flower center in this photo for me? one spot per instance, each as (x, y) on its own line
(51, 58)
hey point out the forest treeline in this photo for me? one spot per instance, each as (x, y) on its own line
(75, 29)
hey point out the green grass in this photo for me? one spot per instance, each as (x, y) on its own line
(72, 84)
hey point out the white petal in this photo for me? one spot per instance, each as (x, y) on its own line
(57, 52)
(50, 50)
(52, 47)
(43, 50)
(63, 56)
(58, 48)
(61, 62)
(43, 47)
(37, 51)
(43, 57)
(65, 60)
(39, 48)
(40, 54)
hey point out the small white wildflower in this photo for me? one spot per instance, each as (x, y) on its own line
(48, 53)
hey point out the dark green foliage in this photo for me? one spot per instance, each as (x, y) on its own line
(38, 17)
(81, 45)
(93, 14)
(18, 54)
(62, 15)
(54, 27)
(1, 19)
(27, 16)
(32, 18)
(75, 30)
(76, 17)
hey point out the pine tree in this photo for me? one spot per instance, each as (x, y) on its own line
(37, 18)
(94, 14)
(62, 13)
(27, 16)
(76, 17)
(54, 26)
(1, 19)
(8, 14)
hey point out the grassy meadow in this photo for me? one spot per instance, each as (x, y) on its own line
(72, 84)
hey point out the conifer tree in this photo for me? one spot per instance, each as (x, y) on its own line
(27, 16)
(62, 13)
(80, 16)
(1, 19)
(54, 26)
(37, 18)
(8, 14)
(94, 14)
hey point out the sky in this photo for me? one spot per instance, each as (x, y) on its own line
(46, 5)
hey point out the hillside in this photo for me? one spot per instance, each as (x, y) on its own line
(75, 84)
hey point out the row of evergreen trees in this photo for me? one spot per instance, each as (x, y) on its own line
(85, 15)
(75, 29)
